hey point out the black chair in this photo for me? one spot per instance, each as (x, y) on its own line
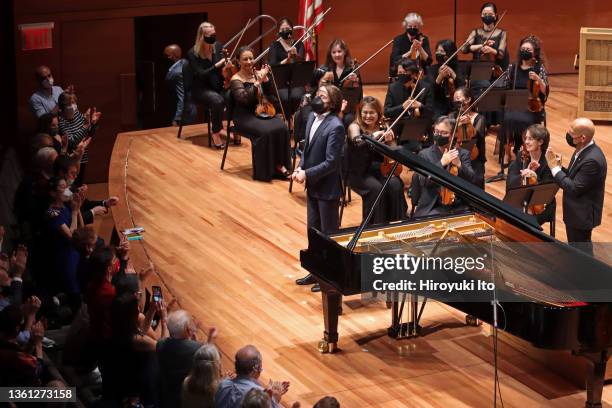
(188, 100)
(229, 112)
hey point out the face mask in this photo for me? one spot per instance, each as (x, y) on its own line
(488, 19)
(53, 131)
(317, 105)
(412, 31)
(67, 195)
(570, 140)
(440, 58)
(441, 140)
(285, 34)
(403, 78)
(526, 55)
(47, 83)
(210, 39)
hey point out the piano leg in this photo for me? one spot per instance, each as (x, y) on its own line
(595, 377)
(332, 301)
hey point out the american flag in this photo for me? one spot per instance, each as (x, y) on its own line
(309, 11)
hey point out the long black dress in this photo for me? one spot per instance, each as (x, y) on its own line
(516, 122)
(269, 137)
(290, 98)
(367, 181)
(544, 176)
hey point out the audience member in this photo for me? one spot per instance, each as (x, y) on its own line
(327, 402)
(248, 363)
(200, 386)
(256, 398)
(44, 100)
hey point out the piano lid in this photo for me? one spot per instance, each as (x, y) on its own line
(475, 197)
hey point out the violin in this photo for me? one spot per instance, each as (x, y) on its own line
(387, 164)
(414, 52)
(265, 108)
(534, 103)
(229, 70)
(530, 181)
(447, 197)
(412, 84)
(348, 83)
(465, 134)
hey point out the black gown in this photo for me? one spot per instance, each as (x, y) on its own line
(269, 137)
(516, 122)
(349, 115)
(401, 45)
(366, 180)
(290, 97)
(544, 176)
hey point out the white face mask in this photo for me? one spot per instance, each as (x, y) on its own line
(67, 195)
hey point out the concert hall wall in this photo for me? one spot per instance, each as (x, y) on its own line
(93, 43)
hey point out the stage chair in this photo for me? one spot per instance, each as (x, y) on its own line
(187, 85)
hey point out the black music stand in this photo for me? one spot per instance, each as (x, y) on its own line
(413, 130)
(481, 70)
(494, 101)
(523, 197)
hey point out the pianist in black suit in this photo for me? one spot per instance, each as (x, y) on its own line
(426, 193)
(583, 183)
(320, 164)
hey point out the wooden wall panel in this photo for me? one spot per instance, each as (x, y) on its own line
(556, 23)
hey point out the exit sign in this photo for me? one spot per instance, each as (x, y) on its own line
(37, 36)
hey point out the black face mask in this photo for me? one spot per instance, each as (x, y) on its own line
(53, 131)
(210, 39)
(285, 34)
(403, 78)
(525, 55)
(570, 140)
(440, 58)
(440, 140)
(317, 105)
(488, 19)
(412, 31)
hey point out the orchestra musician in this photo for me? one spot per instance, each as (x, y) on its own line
(462, 99)
(340, 63)
(529, 68)
(285, 51)
(319, 166)
(532, 164)
(583, 183)
(398, 96)
(412, 44)
(364, 165)
(320, 76)
(446, 80)
(426, 193)
(269, 136)
(494, 49)
(206, 61)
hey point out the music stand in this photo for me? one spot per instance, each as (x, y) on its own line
(493, 101)
(481, 70)
(412, 131)
(523, 197)
(516, 100)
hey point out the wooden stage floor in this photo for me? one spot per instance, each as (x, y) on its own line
(227, 248)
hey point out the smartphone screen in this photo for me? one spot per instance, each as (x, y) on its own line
(157, 294)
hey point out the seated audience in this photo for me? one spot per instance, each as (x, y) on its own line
(248, 363)
(327, 402)
(199, 387)
(256, 398)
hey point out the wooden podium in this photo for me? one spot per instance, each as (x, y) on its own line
(595, 73)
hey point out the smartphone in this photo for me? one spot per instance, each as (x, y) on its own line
(157, 294)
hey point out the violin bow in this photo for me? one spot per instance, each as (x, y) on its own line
(454, 54)
(354, 71)
(415, 85)
(280, 102)
(406, 109)
(495, 27)
(239, 39)
(486, 91)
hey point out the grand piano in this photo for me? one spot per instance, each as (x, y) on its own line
(551, 294)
